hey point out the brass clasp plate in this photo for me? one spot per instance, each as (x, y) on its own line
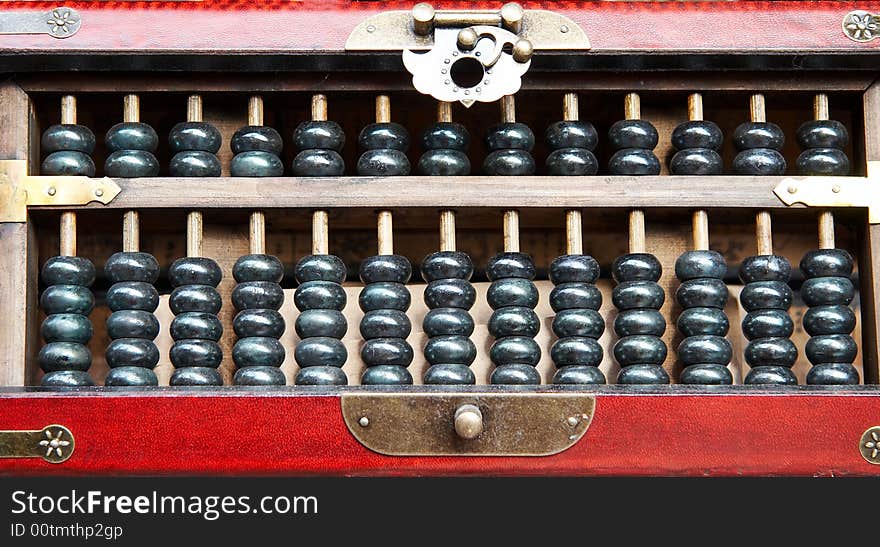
(60, 22)
(832, 192)
(468, 424)
(53, 443)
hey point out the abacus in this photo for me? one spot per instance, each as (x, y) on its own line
(537, 265)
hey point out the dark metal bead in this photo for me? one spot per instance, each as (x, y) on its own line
(320, 351)
(636, 267)
(514, 321)
(134, 352)
(579, 322)
(752, 135)
(320, 268)
(771, 375)
(509, 163)
(762, 295)
(390, 296)
(767, 323)
(571, 162)
(838, 319)
(257, 295)
(833, 374)
(512, 291)
(706, 374)
(194, 271)
(508, 264)
(256, 164)
(131, 164)
(321, 376)
(256, 138)
(195, 298)
(827, 263)
(571, 134)
(258, 351)
(510, 136)
(696, 161)
(446, 163)
(259, 323)
(826, 291)
(697, 134)
(637, 294)
(779, 352)
(578, 375)
(823, 161)
(68, 270)
(196, 353)
(443, 321)
(515, 349)
(765, 268)
(320, 295)
(196, 325)
(633, 134)
(705, 293)
(132, 324)
(72, 137)
(196, 377)
(131, 136)
(639, 321)
(131, 266)
(568, 296)
(386, 375)
(330, 323)
(447, 265)
(642, 375)
(576, 350)
(697, 321)
(258, 267)
(385, 136)
(831, 348)
(822, 134)
(319, 134)
(515, 374)
(195, 136)
(759, 161)
(67, 378)
(385, 268)
(574, 269)
(450, 349)
(66, 327)
(385, 324)
(259, 376)
(634, 161)
(194, 163)
(318, 163)
(131, 377)
(446, 136)
(67, 299)
(449, 374)
(696, 350)
(698, 264)
(68, 162)
(132, 295)
(387, 351)
(452, 293)
(56, 356)
(383, 163)
(640, 349)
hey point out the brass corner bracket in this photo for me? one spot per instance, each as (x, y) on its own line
(54, 443)
(833, 192)
(18, 190)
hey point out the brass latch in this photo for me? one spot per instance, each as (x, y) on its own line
(53, 443)
(18, 190)
(832, 192)
(468, 424)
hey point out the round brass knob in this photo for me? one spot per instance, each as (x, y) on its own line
(468, 422)
(467, 39)
(522, 50)
(423, 19)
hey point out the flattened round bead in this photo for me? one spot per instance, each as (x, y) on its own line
(194, 271)
(131, 136)
(766, 295)
(510, 135)
(321, 376)
(257, 295)
(319, 134)
(256, 138)
(636, 267)
(639, 321)
(57, 356)
(697, 321)
(751, 135)
(318, 163)
(259, 323)
(831, 348)
(578, 375)
(822, 134)
(449, 374)
(574, 269)
(446, 136)
(68, 162)
(697, 134)
(771, 352)
(825, 291)
(66, 327)
(444, 163)
(321, 323)
(634, 161)
(67, 378)
(697, 264)
(68, 270)
(385, 375)
(450, 349)
(642, 375)
(759, 161)
(132, 324)
(579, 322)
(640, 349)
(132, 295)
(767, 323)
(453, 293)
(320, 351)
(514, 321)
(823, 161)
(576, 296)
(320, 268)
(196, 377)
(827, 263)
(194, 163)
(509, 163)
(387, 351)
(443, 321)
(765, 268)
(135, 352)
(637, 294)
(194, 136)
(515, 374)
(131, 377)
(67, 299)
(386, 135)
(771, 375)
(576, 351)
(196, 353)
(131, 164)
(377, 296)
(255, 351)
(195, 298)
(385, 324)
(696, 350)
(833, 374)
(72, 137)
(633, 134)
(515, 349)
(696, 161)
(259, 376)
(571, 134)
(385, 268)
(706, 374)
(510, 264)
(835, 319)
(571, 162)
(256, 164)
(258, 267)
(512, 291)
(383, 163)
(320, 295)
(706, 292)
(131, 266)
(191, 325)
(447, 265)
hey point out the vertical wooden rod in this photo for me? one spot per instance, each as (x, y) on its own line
(386, 233)
(194, 234)
(764, 233)
(511, 231)
(570, 110)
(255, 110)
(632, 106)
(637, 243)
(447, 230)
(508, 109)
(444, 112)
(194, 108)
(383, 109)
(320, 233)
(574, 239)
(68, 234)
(820, 107)
(700, 223)
(257, 234)
(68, 109)
(319, 108)
(758, 108)
(826, 230)
(131, 108)
(131, 232)
(695, 107)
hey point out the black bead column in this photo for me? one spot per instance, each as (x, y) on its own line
(319, 143)
(572, 141)
(704, 351)
(766, 296)
(828, 290)
(385, 298)
(640, 350)
(67, 300)
(195, 301)
(512, 294)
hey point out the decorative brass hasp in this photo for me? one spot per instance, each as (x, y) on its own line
(832, 192)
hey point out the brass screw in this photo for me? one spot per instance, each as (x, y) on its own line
(836, 188)
(99, 192)
(792, 189)
(869, 445)
(364, 421)
(51, 191)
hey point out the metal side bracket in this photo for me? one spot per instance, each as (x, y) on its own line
(53, 443)
(834, 192)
